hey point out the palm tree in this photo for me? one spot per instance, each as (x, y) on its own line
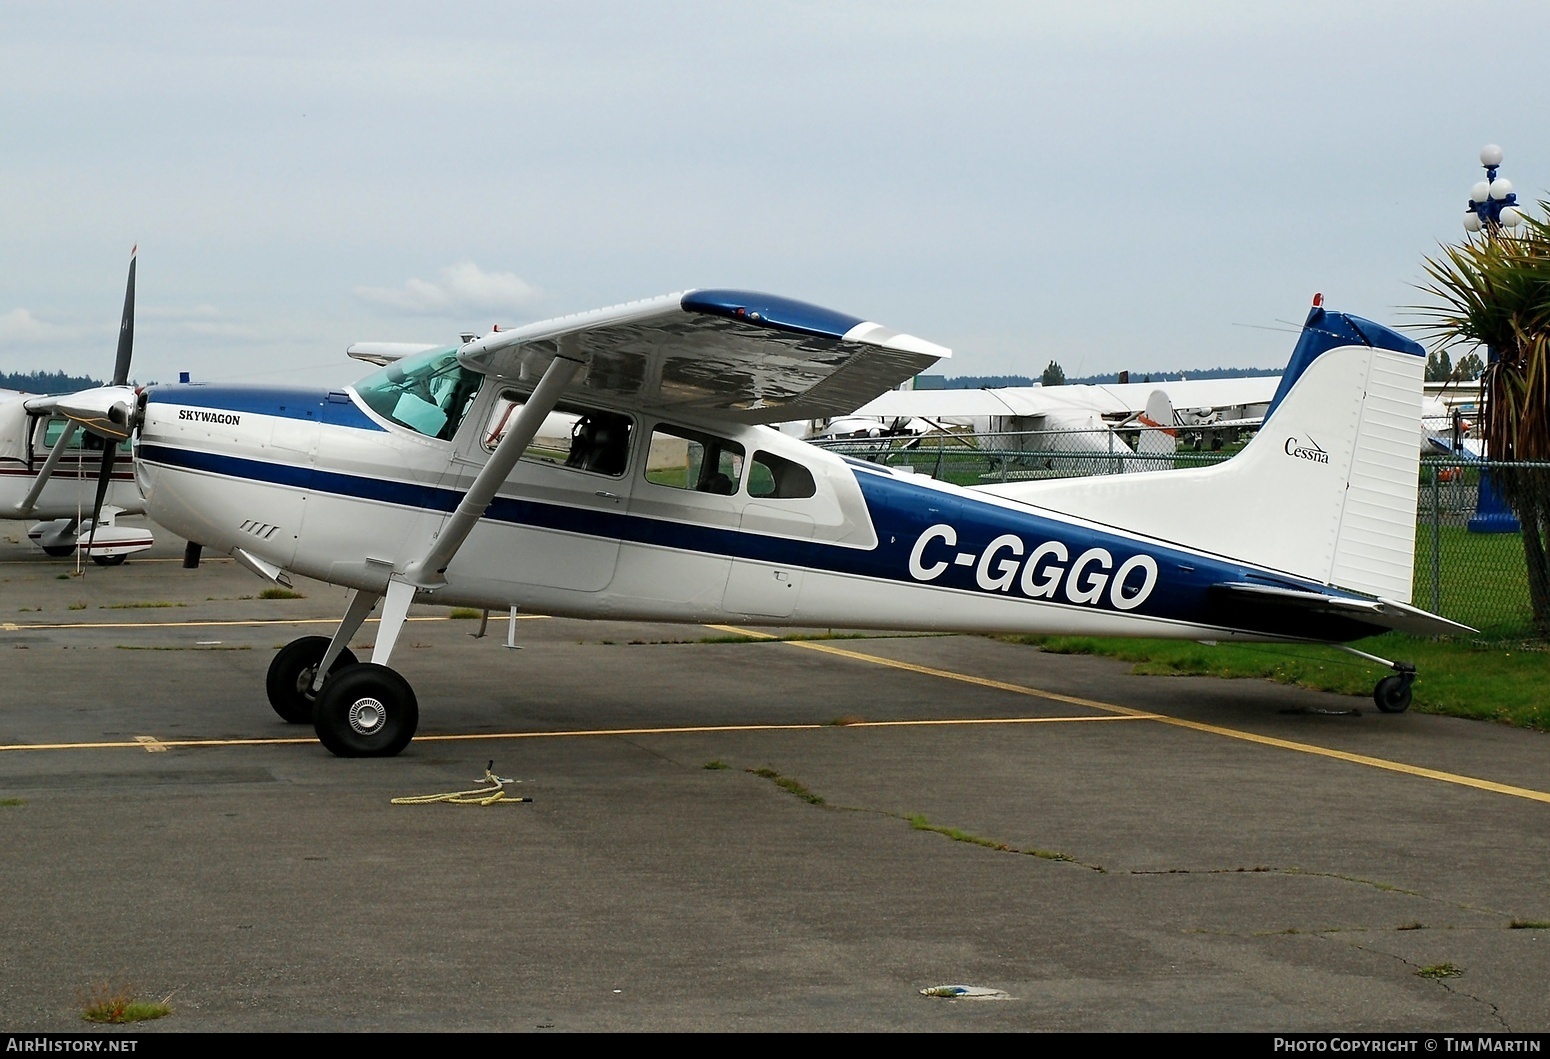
(1494, 290)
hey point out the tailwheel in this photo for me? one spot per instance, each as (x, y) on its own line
(1392, 695)
(366, 710)
(292, 672)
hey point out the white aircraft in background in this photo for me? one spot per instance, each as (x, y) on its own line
(1072, 418)
(670, 500)
(1080, 417)
(1075, 439)
(48, 467)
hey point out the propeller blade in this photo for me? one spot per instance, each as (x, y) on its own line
(126, 327)
(104, 477)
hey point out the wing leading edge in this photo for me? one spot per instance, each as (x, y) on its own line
(722, 354)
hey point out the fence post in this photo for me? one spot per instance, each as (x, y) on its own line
(1436, 542)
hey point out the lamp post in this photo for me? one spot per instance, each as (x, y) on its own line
(1492, 206)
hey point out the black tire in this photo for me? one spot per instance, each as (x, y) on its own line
(1392, 695)
(58, 551)
(109, 560)
(366, 710)
(289, 682)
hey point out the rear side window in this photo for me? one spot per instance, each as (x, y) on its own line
(777, 477)
(687, 459)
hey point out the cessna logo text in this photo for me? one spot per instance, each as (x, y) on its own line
(1310, 451)
(1045, 572)
(200, 416)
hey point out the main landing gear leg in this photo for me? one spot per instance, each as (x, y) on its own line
(366, 709)
(301, 666)
(1392, 693)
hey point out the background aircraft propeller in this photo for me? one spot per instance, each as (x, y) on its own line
(126, 343)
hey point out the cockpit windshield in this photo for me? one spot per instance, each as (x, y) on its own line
(429, 392)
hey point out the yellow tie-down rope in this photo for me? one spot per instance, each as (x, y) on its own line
(487, 795)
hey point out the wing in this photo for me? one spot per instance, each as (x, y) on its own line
(723, 354)
(384, 352)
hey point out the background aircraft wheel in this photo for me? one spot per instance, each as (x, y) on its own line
(289, 682)
(58, 551)
(366, 710)
(1392, 694)
(107, 560)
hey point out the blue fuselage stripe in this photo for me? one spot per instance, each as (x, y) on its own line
(901, 512)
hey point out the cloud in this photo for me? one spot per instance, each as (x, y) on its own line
(19, 325)
(459, 288)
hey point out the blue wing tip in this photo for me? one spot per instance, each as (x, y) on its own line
(770, 310)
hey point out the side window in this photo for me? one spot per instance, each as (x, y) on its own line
(82, 439)
(687, 459)
(52, 433)
(780, 478)
(585, 439)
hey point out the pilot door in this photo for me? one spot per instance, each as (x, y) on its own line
(556, 522)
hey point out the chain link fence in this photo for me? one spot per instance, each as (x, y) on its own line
(1470, 559)
(1471, 563)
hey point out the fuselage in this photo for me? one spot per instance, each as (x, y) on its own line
(347, 488)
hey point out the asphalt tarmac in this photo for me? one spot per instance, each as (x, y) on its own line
(735, 834)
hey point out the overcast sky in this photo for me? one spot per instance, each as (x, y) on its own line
(1142, 185)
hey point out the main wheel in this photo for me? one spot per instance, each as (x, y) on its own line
(59, 551)
(295, 666)
(1392, 694)
(108, 560)
(366, 710)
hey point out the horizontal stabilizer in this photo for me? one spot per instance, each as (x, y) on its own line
(1383, 612)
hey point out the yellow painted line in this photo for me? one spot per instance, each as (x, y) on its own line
(51, 561)
(1199, 726)
(1114, 713)
(146, 742)
(953, 722)
(165, 744)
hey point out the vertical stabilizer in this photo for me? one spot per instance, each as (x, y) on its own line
(1326, 489)
(1158, 439)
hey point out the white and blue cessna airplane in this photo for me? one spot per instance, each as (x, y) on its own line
(615, 464)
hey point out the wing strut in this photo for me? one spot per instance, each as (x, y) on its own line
(24, 508)
(430, 571)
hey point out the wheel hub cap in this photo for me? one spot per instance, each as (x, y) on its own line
(367, 716)
(304, 681)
